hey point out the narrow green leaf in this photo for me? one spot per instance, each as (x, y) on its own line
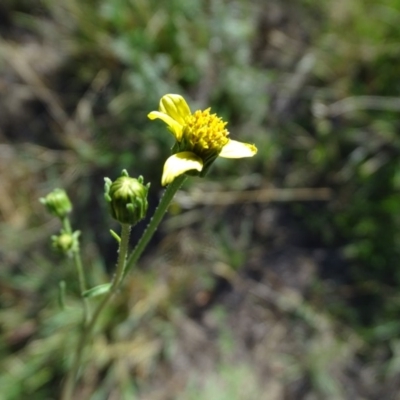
(97, 290)
(115, 236)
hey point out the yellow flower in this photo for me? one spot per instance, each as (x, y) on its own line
(200, 138)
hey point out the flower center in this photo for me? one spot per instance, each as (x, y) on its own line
(205, 134)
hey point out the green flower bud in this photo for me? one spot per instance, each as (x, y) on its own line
(127, 198)
(57, 203)
(66, 243)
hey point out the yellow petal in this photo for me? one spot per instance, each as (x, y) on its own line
(175, 106)
(235, 149)
(178, 164)
(176, 128)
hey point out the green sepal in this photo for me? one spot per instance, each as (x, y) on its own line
(97, 290)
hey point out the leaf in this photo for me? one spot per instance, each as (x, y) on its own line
(97, 290)
(115, 236)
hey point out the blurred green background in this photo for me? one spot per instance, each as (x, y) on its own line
(276, 277)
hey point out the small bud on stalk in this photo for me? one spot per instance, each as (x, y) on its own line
(57, 203)
(127, 198)
(66, 243)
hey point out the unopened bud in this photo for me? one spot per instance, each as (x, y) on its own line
(57, 203)
(66, 243)
(127, 198)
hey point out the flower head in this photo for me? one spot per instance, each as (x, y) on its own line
(200, 137)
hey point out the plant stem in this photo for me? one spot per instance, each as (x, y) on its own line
(66, 225)
(79, 269)
(122, 269)
(154, 222)
(82, 284)
(69, 384)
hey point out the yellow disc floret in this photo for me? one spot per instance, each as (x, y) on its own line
(204, 134)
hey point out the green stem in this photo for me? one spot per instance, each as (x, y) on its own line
(82, 284)
(69, 384)
(123, 252)
(66, 225)
(154, 222)
(122, 269)
(79, 269)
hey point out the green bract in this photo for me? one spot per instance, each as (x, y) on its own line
(127, 198)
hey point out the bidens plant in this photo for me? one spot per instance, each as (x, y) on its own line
(200, 137)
